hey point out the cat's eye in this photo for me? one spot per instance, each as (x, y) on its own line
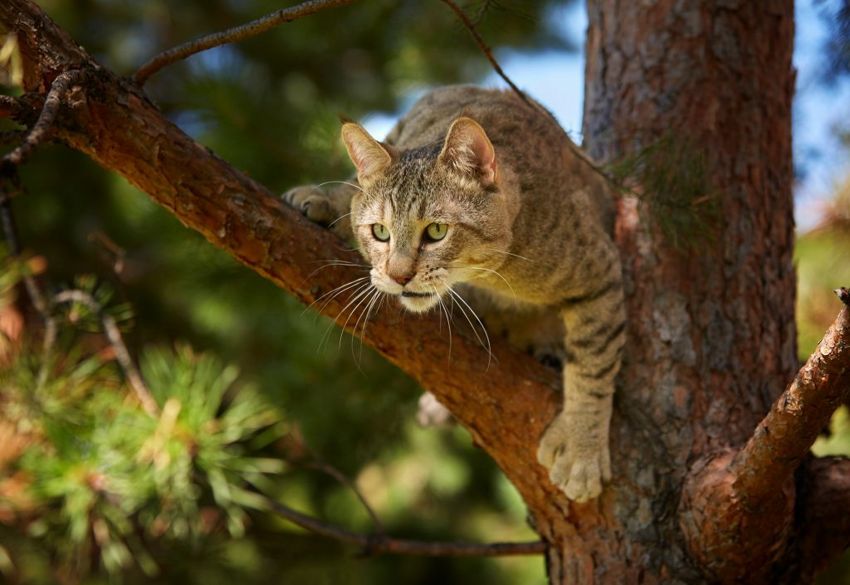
(436, 231)
(380, 231)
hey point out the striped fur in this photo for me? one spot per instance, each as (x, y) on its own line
(528, 246)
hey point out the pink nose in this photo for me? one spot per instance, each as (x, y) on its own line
(401, 279)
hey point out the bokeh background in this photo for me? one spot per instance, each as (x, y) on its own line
(269, 105)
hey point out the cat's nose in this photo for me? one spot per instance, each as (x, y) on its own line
(402, 279)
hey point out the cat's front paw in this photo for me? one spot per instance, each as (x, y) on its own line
(311, 201)
(577, 464)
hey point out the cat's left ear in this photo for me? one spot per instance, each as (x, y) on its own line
(468, 150)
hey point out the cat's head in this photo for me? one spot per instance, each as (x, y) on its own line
(428, 218)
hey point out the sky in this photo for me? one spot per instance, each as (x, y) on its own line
(820, 159)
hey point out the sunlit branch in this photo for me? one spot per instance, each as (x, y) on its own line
(788, 431)
(253, 28)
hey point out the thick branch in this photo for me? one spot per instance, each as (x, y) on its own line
(238, 33)
(737, 508)
(786, 434)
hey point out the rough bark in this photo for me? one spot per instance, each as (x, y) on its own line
(712, 339)
(712, 328)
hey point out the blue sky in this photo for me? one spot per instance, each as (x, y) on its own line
(818, 108)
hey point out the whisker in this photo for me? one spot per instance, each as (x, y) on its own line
(335, 292)
(494, 272)
(510, 254)
(358, 187)
(330, 225)
(337, 263)
(448, 321)
(378, 294)
(488, 347)
(358, 292)
(365, 297)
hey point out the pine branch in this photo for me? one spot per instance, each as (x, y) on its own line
(253, 28)
(113, 335)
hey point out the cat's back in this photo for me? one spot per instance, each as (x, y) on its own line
(505, 117)
(525, 136)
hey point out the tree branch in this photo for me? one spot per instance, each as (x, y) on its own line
(786, 434)
(238, 33)
(378, 544)
(116, 341)
(44, 123)
(505, 407)
(488, 52)
(737, 508)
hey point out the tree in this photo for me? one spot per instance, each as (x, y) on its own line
(706, 487)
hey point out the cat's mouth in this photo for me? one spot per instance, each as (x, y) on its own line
(418, 302)
(415, 295)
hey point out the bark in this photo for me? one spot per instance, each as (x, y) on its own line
(711, 335)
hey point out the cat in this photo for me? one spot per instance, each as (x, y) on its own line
(481, 193)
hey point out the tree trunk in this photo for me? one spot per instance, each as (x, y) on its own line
(712, 334)
(711, 330)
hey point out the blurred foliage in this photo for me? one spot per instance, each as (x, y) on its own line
(836, 13)
(268, 105)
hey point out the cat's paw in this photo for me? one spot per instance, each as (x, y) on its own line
(311, 201)
(577, 464)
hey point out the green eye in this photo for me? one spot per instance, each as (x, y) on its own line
(436, 231)
(380, 231)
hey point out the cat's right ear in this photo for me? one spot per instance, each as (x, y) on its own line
(369, 156)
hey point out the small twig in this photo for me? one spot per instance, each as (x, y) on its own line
(484, 47)
(335, 473)
(479, 18)
(110, 328)
(379, 544)
(44, 123)
(238, 33)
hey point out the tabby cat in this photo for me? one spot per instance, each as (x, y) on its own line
(480, 193)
